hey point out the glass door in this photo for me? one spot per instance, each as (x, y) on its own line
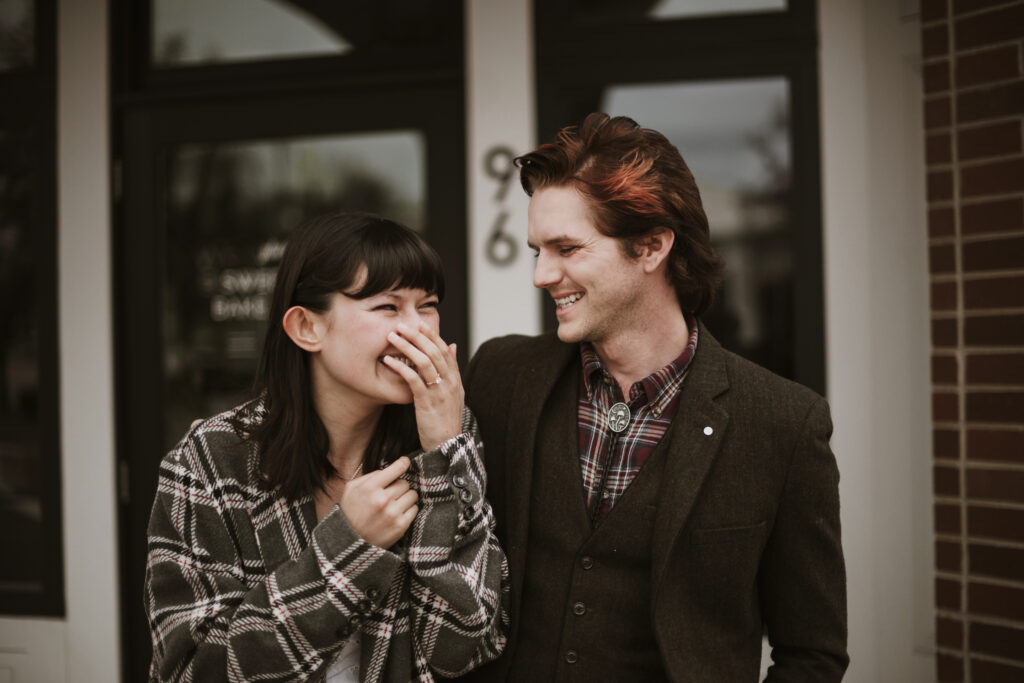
(209, 193)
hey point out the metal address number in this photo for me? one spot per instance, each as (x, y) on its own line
(501, 248)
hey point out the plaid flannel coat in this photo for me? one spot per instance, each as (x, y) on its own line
(243, 585)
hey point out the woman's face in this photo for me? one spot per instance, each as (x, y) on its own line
(355, 338)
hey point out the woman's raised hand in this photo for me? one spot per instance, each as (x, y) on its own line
(380, 506)
(436, 384)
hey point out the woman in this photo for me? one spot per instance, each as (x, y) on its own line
(290, 539)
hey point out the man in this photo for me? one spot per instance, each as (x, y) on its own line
(663, 502)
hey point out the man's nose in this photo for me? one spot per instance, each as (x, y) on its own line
(545, 273)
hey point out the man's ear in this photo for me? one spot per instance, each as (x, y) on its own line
(304, 327)
(654, 249)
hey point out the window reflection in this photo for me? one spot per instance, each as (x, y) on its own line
(662, 10)
(21, 510)
(230, 207)
(191, 32)
(17, 34)
(734, 136)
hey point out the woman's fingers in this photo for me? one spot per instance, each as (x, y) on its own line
(425, 349)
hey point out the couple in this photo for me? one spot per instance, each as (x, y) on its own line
(663, 503)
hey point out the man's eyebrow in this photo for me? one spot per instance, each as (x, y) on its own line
(557, 239)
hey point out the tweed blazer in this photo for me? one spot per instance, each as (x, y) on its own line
(745, 538)
(243, 585)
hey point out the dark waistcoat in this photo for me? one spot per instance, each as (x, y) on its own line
(586, 605)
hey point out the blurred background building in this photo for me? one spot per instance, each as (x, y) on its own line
(861, 165)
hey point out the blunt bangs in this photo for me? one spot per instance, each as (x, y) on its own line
(395, 258)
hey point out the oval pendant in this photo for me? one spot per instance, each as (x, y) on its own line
(618, 417)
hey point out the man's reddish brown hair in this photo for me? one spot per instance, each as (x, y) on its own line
(635, 183)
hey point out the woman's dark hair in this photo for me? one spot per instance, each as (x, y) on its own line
(635, 183)
(324, 257)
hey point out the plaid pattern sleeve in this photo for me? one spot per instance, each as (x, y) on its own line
(459, 581)
(242, 585)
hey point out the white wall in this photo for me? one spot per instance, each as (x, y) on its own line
(85, 646)
(500, 112)
(877, 329)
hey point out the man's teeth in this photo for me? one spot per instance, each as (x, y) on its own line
(572, 298)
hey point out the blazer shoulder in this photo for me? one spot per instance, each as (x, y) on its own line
(763, 392)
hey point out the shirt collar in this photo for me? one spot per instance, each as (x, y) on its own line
(659, 386)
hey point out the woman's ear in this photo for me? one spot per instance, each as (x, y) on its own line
(655, 248)
(304, 327)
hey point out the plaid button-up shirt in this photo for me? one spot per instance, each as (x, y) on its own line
(609, 461)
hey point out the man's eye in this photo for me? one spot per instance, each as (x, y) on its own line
(535, 253)
(565, 251)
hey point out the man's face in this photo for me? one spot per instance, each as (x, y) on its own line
(594, 284)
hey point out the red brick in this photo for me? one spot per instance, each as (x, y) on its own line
(1000, 641)
(940, 222)
(991, 27)
(997, 485)
(994, 292)
(986, 671)
(995, 445)
(945, 407)
(948, 556)
(995, 177)
(943, 296)
(937, 149)
(947, 518)
(944, 369)
(936, 77)
(935, 41)
(995, 561)
(996, 254)
(946, 481)
(940, 185)
(941, 259)
(996, 523)
(998, 368)
(949, 632)
(995, 406)
(994, 330)
(984, 67)
(992, 140)
(1006, 99)
(1001, 215)
(946, 444)
(932, 10)
(995, 601)
(944, 332)
(947, 594)
(948, 668)
(938, 113)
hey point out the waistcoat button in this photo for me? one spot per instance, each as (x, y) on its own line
(587, 562)
(579, 609)
(571, 657)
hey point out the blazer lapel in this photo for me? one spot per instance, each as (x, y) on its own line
(695, 437)
(532, 388)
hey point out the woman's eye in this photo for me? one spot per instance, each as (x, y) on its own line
(430, 304)
(385, 307)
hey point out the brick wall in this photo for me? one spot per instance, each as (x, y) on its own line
(974, 114)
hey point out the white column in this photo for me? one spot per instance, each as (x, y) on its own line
(87, 389)
(501, 123)
(876, 283)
